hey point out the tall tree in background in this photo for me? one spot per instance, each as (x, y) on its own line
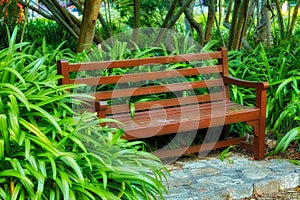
(53, 10)
(280, 18)
(233, 23)
(87, 30)
(210, 20)
(292, 24)
(240, 25)
(243, 17)
(136, 22)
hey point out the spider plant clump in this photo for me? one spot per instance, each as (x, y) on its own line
(48, 151)
(280, 67)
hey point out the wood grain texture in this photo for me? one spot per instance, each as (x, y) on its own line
(195, 97)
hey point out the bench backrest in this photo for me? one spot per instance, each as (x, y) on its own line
(166, 81)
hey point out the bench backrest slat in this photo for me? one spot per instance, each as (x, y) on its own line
(168, 80)
(144, 61)
(158, 89)
(124, 108)
(124, 78)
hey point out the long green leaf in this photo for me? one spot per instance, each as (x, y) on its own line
(14, 72)
(28, 184)
(47, 116)
(3, 194)
(4, 132)
(2, 150)
(287, 139)
(16, 192)
(36, 131)
(17, 92)
(65, 185)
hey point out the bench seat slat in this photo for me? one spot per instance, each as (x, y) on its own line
(147, 76)
(198, 148)
(145, 61)
(185, 118)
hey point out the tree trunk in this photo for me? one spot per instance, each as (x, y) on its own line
(169, 14)
(178, 14)
(169, 20)
(106, 28)
(220, 12)
(268, 23)
(240, 26)
(292, 25)
(219, 31)
(136, 23)
(234, 21)
(210, 20)
(168, 17)
(280, 19)
(87, 31)
(61, 17)
(229, 8)
(197, 26)
(187, 25)
(35, 9)
(250, 12)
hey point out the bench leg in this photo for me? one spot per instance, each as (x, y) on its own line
(259, 139)
(225, 132)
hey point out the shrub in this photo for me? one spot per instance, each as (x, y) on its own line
(35, 32)
(280, 67)
(48, 151)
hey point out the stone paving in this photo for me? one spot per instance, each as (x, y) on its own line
(210, 178)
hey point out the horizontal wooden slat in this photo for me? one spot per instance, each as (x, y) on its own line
(198, 148)
(185, 118)
(176, 113)
(143, 61)
(157, 89)
(124, 78)
(180, 101)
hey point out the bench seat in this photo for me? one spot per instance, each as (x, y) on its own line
(184, 118)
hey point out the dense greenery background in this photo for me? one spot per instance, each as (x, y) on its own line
(49, 152)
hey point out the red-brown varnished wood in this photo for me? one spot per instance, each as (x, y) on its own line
(179, 101)
(144, 61)
(134, 77)
(198, 148)
(198, 96)
(63, 69)
(185, 118)
(157, 89)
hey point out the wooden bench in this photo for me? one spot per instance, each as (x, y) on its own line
(172, 94)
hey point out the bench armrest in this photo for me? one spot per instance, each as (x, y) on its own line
(97, 106)
(100, 105)
(261, 90)
(243, 83)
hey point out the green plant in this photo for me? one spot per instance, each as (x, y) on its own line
(225, 154)
(280, 67)
(36, 28)
(49, 151)
(296, 162)
(290, 136)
